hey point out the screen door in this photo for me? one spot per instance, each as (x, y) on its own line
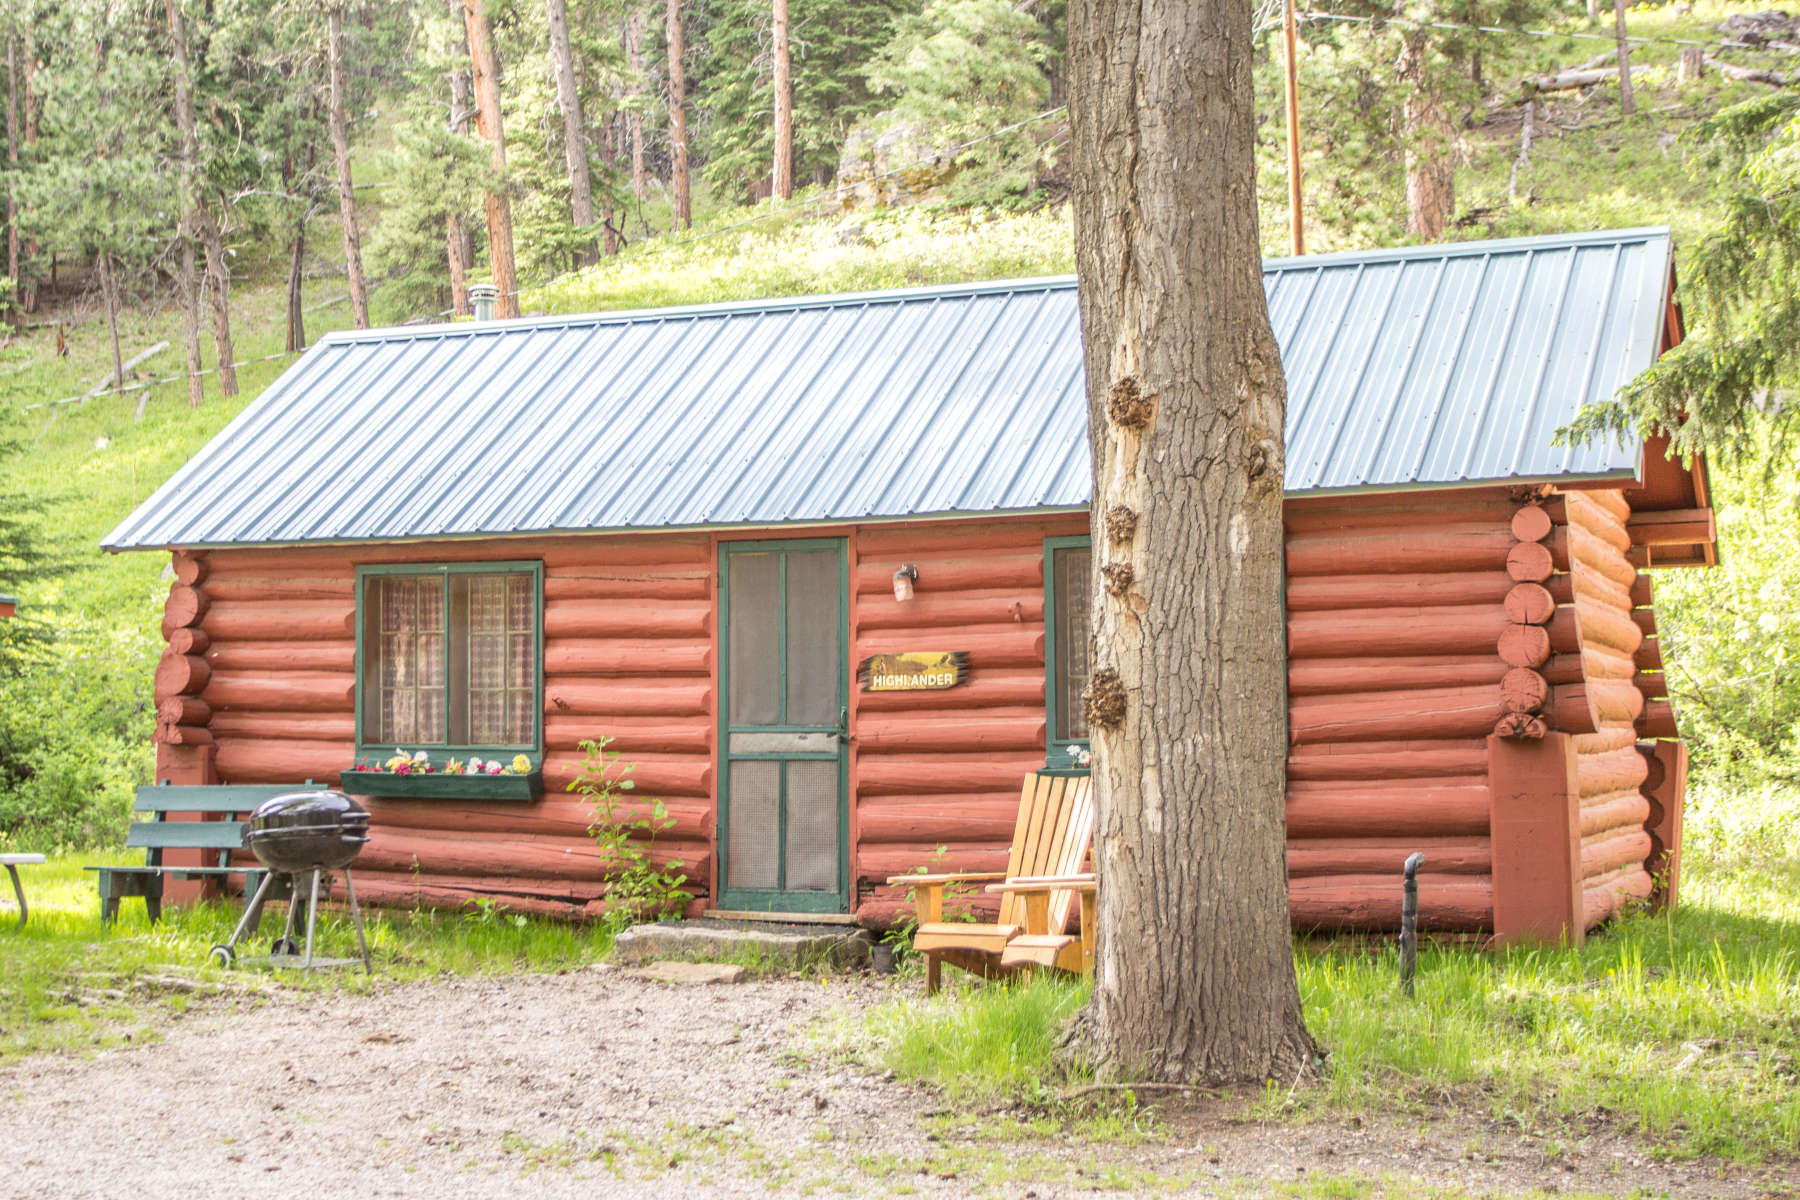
(784, 715)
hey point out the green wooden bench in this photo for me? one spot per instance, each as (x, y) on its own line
(228, 803)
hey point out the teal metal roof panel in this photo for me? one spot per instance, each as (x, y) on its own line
(1430, 366)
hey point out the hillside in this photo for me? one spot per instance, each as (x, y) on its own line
(78, 725)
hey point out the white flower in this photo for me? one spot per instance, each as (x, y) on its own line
(421, 756)
(475, 764)
(494, 768)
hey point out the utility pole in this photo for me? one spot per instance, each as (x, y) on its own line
(1296, 218)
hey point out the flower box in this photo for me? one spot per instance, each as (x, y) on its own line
(435, 785)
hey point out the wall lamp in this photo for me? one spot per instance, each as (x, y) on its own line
(904, 579)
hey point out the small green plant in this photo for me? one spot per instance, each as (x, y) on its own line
(485, 910)
(958, 897)
(638, 888)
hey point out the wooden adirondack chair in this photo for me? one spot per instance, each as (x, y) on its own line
(1051, 840)
(1039, 946)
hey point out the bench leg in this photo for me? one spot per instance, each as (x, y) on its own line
(19, 891)
(153, 896)
(109, 910)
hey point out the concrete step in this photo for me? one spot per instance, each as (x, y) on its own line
(784, 946)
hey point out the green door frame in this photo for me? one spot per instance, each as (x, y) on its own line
(777, 899)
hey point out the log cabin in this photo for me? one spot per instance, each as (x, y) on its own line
(821, 569)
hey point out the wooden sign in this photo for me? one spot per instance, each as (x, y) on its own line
(913, 671)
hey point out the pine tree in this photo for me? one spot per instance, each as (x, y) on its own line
(830, 47)
(1730, 388)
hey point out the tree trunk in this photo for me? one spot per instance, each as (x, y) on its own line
(189, 283)
(109, 293)
(1626, 104)
(678, 147)
(340, 148)
(782, 183)
(608, 155)
(568, 98)
(28, 296)
(12, 153)
(487, 122)
(1194, 978)
(634, 119)
(1429, 137)
(296, 312)
(218, 276)
(458, 246)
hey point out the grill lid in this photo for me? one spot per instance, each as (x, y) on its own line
(303, 831)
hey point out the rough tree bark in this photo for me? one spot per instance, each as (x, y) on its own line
(1429, 139)
(609, 153)
(568, 98)
(28, 292)
(678, 147)
(218, 281)
(189, 283)
(486, 68)
(458, 246)
(1626, 104)
(296, 311)
(634, 118)
(340, 149)
(12, 152)
(109, 294)
(782, 181)
(1194, 979)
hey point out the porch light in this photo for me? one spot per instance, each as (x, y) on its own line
(904, 579)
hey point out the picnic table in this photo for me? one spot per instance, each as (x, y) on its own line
(12, 863)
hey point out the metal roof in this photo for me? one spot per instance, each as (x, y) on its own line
(1430, 366)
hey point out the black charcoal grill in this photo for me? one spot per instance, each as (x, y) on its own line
(299, 834)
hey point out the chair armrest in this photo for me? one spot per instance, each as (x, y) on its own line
(1046, 883)
(957, 877)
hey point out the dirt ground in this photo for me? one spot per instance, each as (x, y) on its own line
(599, 1082)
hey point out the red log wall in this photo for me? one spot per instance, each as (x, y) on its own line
(1418, 626)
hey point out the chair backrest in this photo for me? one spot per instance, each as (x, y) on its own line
(1053, 836)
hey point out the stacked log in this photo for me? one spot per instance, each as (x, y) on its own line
(1524, 644)
(1594, 627)
(1395, 607)
(942, 768)
(628, 655)
(182, 673)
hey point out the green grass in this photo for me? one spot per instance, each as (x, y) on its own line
(73, 986)
(1682, 1027)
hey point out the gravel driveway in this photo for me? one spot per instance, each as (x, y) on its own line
(598, 1082)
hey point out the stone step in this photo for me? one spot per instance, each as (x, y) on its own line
(784, 946)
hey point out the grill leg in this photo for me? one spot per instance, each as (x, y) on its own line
(251, 911)
(312, 920)
(356, 915)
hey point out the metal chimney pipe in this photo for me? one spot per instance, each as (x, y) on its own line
(482, 297)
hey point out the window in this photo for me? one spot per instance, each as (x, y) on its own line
(1066, 588)
(450, 656)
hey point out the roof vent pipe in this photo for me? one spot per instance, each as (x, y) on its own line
(481, 298)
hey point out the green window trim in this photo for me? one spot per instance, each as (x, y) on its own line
(1056, 750)
(441, 751)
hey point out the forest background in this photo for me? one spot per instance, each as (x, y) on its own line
(222, 182)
